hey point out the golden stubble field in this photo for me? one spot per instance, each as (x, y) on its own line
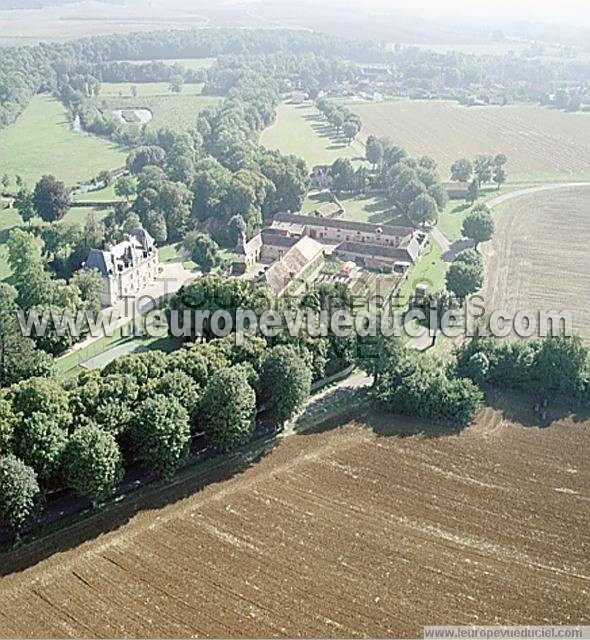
(538, 258)
(541, 144)
(364, 528)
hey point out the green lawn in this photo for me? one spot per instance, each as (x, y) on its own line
(360, 209)
(302, 131)
(108, 193)
(102, 351)
(42, 141)
(429, 270)
(116, 89)
(171, 111)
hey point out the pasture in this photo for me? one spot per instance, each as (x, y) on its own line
(538, 258)
(119, 89)
(368, 526)
(302, 131)
(42, 141)
(541, 144)
(169, 110)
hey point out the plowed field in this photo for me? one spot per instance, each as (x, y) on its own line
(540, 143)
(538, 258)
(365, 528)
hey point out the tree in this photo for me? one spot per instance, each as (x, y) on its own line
(5, 182)
(342, 175)
(19, 359)
(350, 129)
(464, 279)
(40, 443)
(143, 156)
(160, 433)
(479, 226)
(227, 409)
(8, 423)
(203, 250)
(422, 210)
(155, 224)
(473, 191)
(500, 176)
(51, 199)
(373, 150)
(23, 253)
(125, 187)
(483, 169)
(285, 382)
(20, 497)
(92, 463)
(373, 354)
(23, 202)
(105, 178)
(176, 83)
(461, 170)
(180, 385)
(434, 306)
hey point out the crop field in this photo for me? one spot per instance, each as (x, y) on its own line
(541, 144)
(42, 140)
(302, 131)
(538, 258)
(375, 527)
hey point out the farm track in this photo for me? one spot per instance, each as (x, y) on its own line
(367, 528)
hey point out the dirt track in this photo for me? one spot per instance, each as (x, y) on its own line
(365, 529)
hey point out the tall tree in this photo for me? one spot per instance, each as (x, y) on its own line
(20, 497)
(227, 409)
(92, 463)
(51, 199)
(161, 435)
(461, 170)
(203, 250)
(285, 382)
(479, 226)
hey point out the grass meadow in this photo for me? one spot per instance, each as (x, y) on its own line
(302, 131)
(42, 141)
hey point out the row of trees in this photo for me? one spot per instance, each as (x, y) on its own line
(546, 367)
(411, 185)
(141, 409)
(341, 118)
(483, 170)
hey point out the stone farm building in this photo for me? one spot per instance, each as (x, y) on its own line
(294, 243)
(456, 190)
(126, 268)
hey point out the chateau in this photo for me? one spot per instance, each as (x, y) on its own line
(126, 268)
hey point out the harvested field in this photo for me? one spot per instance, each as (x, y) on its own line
(538, 258)
(541, 143)
(361, 529)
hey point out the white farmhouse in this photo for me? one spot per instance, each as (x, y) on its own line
(126, 268)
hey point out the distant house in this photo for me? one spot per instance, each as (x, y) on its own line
(456, 190)
(321, 177)
(126, 268)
